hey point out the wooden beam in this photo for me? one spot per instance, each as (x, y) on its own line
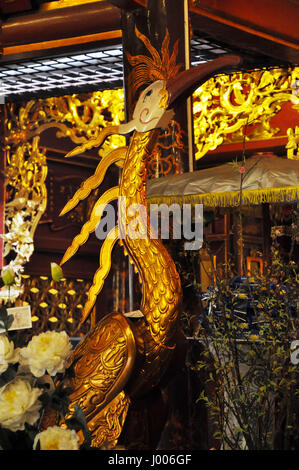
(69, 22)
(276, 19)
(125, 4)
(254, 45)
(8, 7)
(258, 26)
(59, 46)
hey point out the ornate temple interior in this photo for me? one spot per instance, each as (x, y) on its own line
(69, 69)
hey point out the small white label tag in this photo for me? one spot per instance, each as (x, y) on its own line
(134, 314)
(22, 318)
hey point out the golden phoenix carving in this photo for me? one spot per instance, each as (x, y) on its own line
(123, 358)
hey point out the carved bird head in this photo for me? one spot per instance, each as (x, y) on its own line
(153, 108)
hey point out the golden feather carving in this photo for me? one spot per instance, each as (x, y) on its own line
(161, 66)
(104, 133)
(95, 217)
(115, 156)
(101, 273)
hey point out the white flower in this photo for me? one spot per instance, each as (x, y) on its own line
(25, 250)
(46, 352)
(8, 354)
(56, 438)
(19, 404)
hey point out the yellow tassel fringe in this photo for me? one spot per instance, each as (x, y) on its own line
(232, 198)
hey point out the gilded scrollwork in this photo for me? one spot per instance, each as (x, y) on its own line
(79, 117)
(26, 200)
(222, 107)
(226, 103)
(293, 143)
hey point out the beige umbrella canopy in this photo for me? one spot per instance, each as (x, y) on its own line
(263, 178)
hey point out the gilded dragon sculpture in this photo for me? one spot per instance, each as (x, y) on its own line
(123, 358)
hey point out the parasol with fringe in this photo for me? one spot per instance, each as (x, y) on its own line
(262, 178)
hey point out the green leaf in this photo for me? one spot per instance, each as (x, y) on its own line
(9, 322)
(57, 399)
(5, 439)
(9, 374)
(70, 371)
(5, 319)
(78, 422)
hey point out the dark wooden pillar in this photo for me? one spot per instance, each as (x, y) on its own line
(171, 15)
(172, 153)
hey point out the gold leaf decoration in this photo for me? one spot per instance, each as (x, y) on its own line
(226, 103)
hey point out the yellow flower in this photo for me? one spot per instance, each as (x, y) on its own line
(253, 337)
(56, 438)
(19, 404)
(56, 272)
(243, 325)
(242, 296)
(46, 352)
(8, 355)
(8, 275)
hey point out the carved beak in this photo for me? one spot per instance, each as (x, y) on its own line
(186, 82)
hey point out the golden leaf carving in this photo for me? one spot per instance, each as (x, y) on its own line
(225, 103)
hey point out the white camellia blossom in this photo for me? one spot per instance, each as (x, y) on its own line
(46, 352)
(56, 438)
(8, 354)
(19, 404)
